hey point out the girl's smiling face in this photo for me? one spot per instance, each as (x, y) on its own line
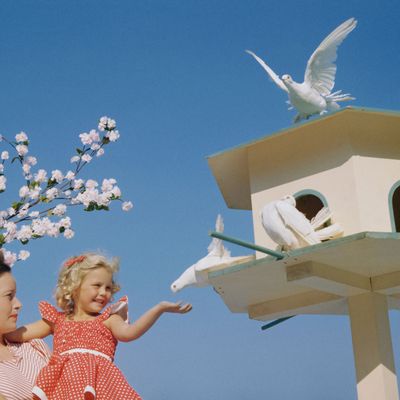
(94, 293)
(9, 303)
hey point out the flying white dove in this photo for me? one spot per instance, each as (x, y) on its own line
(314, 95)
(288, 227)
(218, 255)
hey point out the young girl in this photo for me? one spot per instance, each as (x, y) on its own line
(84, 338)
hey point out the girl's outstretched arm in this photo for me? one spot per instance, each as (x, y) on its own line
(35, 330)
(127, 332)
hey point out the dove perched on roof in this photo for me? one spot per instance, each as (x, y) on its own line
(218, 256)
(290, 228)
(314, 95)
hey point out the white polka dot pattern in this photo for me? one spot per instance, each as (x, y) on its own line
(78, 376)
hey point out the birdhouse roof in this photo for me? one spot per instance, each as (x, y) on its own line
(362, 131)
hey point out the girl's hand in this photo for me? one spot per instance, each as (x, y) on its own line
(179, 307)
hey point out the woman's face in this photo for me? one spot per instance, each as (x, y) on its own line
(9, 304)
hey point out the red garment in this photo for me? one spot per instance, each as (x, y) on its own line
(87, 371)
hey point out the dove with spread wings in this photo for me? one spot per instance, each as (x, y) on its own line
(218, 256)
(314, 95)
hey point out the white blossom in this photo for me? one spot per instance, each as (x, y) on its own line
(5, 155)
(78, 183)
(85, 139)
(11, 228)
(51, 194)
(91, 184)
(113, 136)
(23, 211)
(88, 196)
(25, 233)
(100, 152)
(127, 205)
(34, 193)
(3, 181)
(57, 175)
(31, 160)
(107, 185)
(95, 146)
(103, 123)
(69, 233)
(70, 175)
(21, 149)
(41, 176)
(23, 191)
(11, 211)
(21, 137)
(116, 191)
(65, 222)
(75, 159)
(41, 226)
(111, 124)
(23, 255)
(94, 135)
(26, 168)
(87, 158)
(34, 214)
(59, 210)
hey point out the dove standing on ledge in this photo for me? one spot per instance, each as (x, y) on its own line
(314, 95)
(288, 227)
(218, 255)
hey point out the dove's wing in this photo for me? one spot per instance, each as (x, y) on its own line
(216, 247)
(297, 222)
(271, 73)
(321, 68)
(323, 215)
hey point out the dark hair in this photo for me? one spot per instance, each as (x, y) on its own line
(3, 266)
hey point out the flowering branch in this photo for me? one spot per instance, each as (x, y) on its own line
(44, 199)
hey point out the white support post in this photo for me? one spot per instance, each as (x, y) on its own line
(372, 346)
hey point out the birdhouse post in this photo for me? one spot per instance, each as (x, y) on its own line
(349, 161)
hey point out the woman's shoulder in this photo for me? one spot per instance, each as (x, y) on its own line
(32, 347)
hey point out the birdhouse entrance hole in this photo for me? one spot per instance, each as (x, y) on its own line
(309, 205)
(396, 208)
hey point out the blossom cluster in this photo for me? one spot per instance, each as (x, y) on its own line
(44, 198)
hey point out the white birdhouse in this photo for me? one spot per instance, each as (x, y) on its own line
(350, 162)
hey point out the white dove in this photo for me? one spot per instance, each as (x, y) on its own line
(218, 255)
(314, 96)
(288, 227)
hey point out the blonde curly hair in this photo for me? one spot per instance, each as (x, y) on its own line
(72, 273)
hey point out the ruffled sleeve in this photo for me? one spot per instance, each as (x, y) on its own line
(120, 307)
(49, 312)
(41, 347)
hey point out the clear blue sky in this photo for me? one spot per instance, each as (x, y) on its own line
(175, 76)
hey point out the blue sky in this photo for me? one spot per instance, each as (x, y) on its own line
(175, 76)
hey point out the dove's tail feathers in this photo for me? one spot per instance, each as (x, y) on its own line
(330, 232)
(323, 215)
(338, 96)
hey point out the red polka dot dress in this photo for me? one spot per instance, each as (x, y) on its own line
(81, 366)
